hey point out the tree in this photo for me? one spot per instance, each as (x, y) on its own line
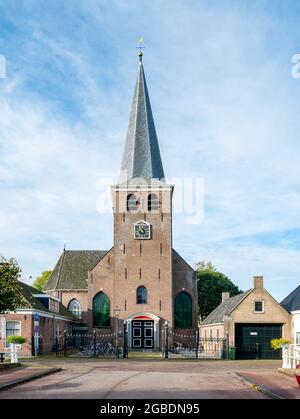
(11, 296)
(40, 281)
(211, 284)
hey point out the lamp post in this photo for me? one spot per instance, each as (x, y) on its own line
(117, 311)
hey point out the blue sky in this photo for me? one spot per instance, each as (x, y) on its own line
(226, 109)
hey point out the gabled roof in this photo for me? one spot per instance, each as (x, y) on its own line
(224, 309)
(71, 270)
(29, 292)
(141, 156)
(292, 301)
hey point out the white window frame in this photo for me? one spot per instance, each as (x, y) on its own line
(297, 338)
(263, 307)
(7, 345)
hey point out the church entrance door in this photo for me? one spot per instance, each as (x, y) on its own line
(142, 334)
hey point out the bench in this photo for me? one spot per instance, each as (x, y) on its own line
(2, 356)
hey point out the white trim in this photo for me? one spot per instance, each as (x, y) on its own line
(295, 312)
(136, 188)
(42, 313)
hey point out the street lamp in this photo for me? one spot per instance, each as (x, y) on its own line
(117, 311)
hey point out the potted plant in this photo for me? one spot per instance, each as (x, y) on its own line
(279, 343)
(14, 341)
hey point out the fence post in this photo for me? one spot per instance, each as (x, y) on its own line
(94, 342)
(166, 340)
(65, 343)
(56, 344)
(197, 343)
(125, 346)
(227, 345)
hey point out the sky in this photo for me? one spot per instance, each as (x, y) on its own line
(226, 109)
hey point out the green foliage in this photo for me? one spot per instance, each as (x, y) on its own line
(40, 281)
(17, 340)
(211, 284)
(279, 343)
(203, 266)
(11, 296)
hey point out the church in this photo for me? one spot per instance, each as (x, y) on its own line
(141, 282)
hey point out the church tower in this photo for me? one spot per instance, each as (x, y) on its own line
(143, 226)
(142, 281)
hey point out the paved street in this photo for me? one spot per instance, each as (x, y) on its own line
(128, 379)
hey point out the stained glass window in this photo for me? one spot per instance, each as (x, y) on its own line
(101, 310)
(141, 295)
(183, 311)
(75, 308)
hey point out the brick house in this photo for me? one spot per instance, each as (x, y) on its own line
(249, 320)
(46, 316)
(292, 304)
(141, 281)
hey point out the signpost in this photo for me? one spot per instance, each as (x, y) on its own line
(36, 333)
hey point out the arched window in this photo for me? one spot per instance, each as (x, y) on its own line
(101, 310)
(132, 202)
(75, 308)
(141, 295)
(153, 202)
(183, 311)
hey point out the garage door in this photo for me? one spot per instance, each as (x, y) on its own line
(252, 341)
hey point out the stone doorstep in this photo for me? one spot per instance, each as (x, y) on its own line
(19, 376)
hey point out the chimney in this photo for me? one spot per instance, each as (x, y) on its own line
(258, 281)
(225, 296)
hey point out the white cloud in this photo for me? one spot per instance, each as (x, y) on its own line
(225, 107)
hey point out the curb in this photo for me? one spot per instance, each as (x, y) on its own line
(30, 378)
(260, 388)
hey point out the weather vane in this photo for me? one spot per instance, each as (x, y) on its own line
(140, 47)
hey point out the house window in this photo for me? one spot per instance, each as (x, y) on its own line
(101, 310)
(75, 308)
(259, 306)
(53, 305)
(12, 329)
(298, 338)
(141, 295)
(183, 311)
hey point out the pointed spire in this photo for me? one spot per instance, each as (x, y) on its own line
(141, 156)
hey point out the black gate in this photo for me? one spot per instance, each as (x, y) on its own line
(190, 345)
(89, 345)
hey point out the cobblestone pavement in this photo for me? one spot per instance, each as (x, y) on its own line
(149, 379)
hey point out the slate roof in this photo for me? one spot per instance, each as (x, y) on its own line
(141, 156)
(71, 269)
(292, 301)
(28, 293)
(224, 309)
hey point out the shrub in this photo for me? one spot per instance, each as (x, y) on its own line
(17, 340)
(279, 343)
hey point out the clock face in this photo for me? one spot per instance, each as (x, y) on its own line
(142, 230)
